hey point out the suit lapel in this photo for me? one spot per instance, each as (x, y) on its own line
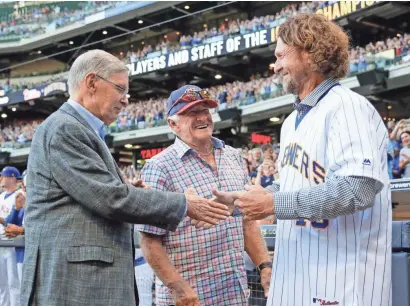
(67, 108)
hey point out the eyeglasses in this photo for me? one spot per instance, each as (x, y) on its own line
(123, 91)
(192, 96)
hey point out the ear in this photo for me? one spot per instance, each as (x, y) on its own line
(90, 82)
(173, 125)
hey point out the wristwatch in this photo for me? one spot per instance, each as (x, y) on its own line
(266, 264)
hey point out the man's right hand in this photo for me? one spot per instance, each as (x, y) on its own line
(183, 294)
(205, 210)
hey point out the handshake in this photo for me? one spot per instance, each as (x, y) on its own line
(255, 203)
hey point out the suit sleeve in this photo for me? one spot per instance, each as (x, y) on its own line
(154, 176)
(82, 173)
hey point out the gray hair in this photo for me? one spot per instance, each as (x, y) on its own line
(254, 150)
(97, 61)
(174, 118)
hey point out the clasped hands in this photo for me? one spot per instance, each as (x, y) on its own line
(255, 203)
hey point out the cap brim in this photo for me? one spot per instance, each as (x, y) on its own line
(7, 175)
(211, 103)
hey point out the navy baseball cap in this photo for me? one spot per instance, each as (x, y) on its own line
(11, 172)
(186, 97)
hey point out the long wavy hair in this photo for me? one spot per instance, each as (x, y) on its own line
(326, 43)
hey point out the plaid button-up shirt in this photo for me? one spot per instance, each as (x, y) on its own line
(212, 261)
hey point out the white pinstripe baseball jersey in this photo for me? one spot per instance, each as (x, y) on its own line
(7, 201)
(345, 260)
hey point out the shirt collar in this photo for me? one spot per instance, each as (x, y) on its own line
(314, 97)
(96, 124)
(182, 148)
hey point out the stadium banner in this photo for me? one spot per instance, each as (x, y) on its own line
(33, 94)
(400, 184)
(227, 45)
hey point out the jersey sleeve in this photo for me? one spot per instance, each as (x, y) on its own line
(354, 147)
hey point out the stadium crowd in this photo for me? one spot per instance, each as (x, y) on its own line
(261, 160)
(361, 59)
(227, 28)
(29, 21)
(151, 113)
(17, 134)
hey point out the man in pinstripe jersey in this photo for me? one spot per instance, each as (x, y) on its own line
(333, 204)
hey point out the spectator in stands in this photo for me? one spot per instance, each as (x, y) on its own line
(391, 145)
(266, 171)
(404, 164)
(181, 259)
(15, 224)
(399, 128)
(267, 152)
(9, 281)
(257, 157)
(395, 163)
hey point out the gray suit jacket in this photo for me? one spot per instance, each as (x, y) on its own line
(78, 215)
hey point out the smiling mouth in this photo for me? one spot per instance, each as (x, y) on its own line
(202, 127)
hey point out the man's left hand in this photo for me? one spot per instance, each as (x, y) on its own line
(265, 280)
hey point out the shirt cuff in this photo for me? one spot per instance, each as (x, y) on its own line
(285, 205)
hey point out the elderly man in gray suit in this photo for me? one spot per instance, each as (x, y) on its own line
(79, 248)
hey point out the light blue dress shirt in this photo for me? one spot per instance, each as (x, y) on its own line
(96, 124)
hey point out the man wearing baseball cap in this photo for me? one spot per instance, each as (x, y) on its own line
(9, 282)
(200, 265)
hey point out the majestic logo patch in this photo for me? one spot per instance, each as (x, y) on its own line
(367, 162)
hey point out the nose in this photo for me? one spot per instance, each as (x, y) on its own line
(203, 116)
(125, 101)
